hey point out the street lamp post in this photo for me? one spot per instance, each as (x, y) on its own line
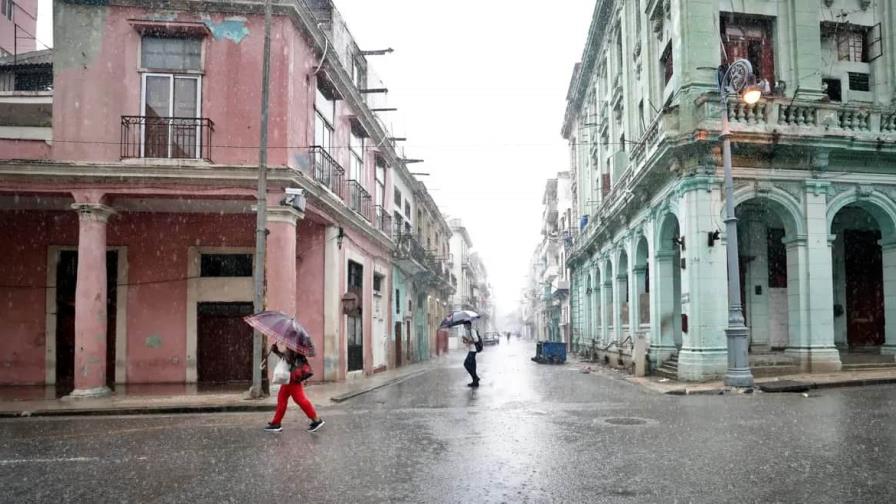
(738, 77)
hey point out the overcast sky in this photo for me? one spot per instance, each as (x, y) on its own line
(480, 86)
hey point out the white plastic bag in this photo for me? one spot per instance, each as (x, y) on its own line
(281, 373)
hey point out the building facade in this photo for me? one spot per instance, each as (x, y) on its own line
(18, 27)
(127, 218)
(548, 312)
(473, 291)
(424, 282)
(814, 184)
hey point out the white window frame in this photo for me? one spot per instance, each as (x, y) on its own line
(171, 78)
(356, 154)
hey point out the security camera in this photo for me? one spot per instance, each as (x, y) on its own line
(295, 198)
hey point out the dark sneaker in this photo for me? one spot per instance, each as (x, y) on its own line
(474, 384)
(273, 428)
(313, 426)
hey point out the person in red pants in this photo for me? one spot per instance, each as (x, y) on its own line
(299, 372)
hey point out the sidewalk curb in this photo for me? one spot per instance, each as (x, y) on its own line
(863, 382)
(349, 395)
(250, 406)
(139, 410)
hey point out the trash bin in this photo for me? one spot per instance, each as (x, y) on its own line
(550, 352)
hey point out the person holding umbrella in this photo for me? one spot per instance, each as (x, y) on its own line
(299, 371)
(473, 342)
(474, 346)
(293, 369)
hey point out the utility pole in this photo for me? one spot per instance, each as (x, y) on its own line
(261, 208)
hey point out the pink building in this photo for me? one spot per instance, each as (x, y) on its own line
(127, 228)
(18, 26)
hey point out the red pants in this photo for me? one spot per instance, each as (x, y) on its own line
(298, 395)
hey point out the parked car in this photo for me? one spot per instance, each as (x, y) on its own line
(491, 338)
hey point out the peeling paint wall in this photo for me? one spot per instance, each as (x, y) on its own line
(98, 79)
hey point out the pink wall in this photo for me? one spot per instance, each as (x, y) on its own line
(157, 267)
(310, 288)
(24, 149)
(231, 87)
(24, 237)
(157, 311)
(25, 16)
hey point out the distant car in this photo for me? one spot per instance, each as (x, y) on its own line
(491, 338)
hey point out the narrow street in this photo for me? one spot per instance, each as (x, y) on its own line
(531, 433)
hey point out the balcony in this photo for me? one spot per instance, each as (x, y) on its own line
(383, 220)
(788, 118)
(358, 199)
(409, 254)
(326, 171)
(166, 137)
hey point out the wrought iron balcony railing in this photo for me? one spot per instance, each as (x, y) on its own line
(358, 199)
(383, 220)
(325, 170)
(166, 137)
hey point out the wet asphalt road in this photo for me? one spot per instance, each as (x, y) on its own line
(531, 433)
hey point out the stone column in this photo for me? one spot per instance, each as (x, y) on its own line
(634, 306)
(797, 294)
(280, 266)
(704, 277)
(91, 321)
(608, 310)
(815, 349)
(621, 287)
(595, 307)
(584, 306)
(888, 253)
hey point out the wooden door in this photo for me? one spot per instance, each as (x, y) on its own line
(864, 288)
(398, 344)
(66, 279)
(224, 340)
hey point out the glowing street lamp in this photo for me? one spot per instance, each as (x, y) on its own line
(737, 78)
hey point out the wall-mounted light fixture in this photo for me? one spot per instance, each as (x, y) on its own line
(339, 238)
(711, 238)
(679, 240)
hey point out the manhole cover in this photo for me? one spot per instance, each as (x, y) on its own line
(625, 421)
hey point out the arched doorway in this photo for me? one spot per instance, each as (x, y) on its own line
(864, 276)
(769, 272)
(668, 281)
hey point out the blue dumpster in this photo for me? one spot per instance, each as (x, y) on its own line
(550, 352)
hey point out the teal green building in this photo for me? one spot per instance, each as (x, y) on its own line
(814, 164)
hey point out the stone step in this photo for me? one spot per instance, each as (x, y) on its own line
(666, 373)
(774, 370)
(869, 366)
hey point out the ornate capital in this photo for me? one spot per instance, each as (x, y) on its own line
(818, 187)
(286, 214)
(93, 212)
